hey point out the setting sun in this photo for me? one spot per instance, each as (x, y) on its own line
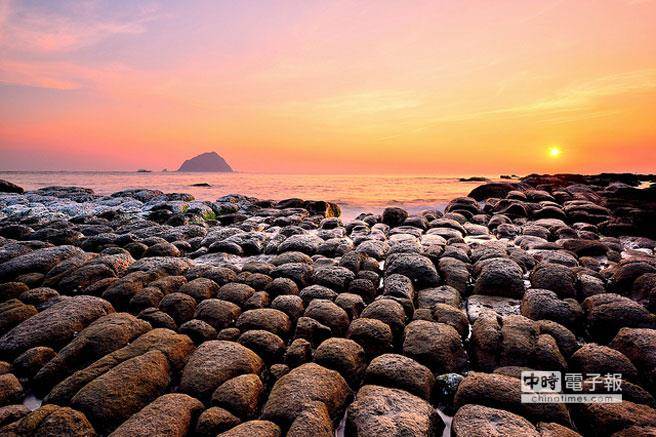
(554, 152)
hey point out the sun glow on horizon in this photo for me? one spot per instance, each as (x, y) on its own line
(554, 151)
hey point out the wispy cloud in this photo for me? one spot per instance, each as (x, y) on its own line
(358, 103)
(37, 44)
(571, 104)
(43, 31)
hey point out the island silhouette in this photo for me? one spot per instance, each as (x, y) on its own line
(206, 162)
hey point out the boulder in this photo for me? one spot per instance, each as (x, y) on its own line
(314, 421)
(388, 411)
(302, 387)
(639, 346)
(51, 420)
(418, 268)
(9, 187)
(39, 261)
(259, 428)
(502, 277)
(169, 415)
(217, 313)
(504, 392)
(398, 371)
(481, 421)
(55, 326)
(215, 420)
(329, 314)
(122, 391)
(240, 395)
(607, 418)
(215, 362)
(267, 319)
(343, 355)
(373, 335)
(435, 345)
(174, 346)
(538, 304)
(11, 390)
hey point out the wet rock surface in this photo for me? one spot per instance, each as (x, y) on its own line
(146, 313)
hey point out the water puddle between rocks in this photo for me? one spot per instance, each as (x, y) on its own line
(32, 402)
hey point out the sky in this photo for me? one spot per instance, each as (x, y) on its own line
(430, 87)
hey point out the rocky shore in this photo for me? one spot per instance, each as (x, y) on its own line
(145, 313)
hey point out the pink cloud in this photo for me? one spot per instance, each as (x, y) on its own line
(42, 32)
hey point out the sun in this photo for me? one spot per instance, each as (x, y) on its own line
(554, 152)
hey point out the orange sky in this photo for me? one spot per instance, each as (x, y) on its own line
(449, 87)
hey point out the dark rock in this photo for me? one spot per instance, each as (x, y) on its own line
(158, 319)
(607, 418)
(51, 420)
(639, 346)
(200, 289)
(215, 362)
(198, 330)
(398, 371)
(240, 395)
(40, 260)
(544, 305)
(12, 413)
(389, 411)
(260, 428)
(122, 391)
(435, 345)
(336, 278)
(494, 189)
(13, 312)
(343, 355)
(311, 330)
(303, 387)
(607, 313)
(55, 326)
(556, 278)
(480, 421)
(291, 305)
(375, 336)
(169, 415)
(449, 315)
(11, 390)
(418, 268)
(299, 352)
(592, 358)
(179, 306)
(429, 297)
(217, 313)
(215, 420)
(500, 278)
(394, 216)
(312, 292)
(265, 344)
(267, 319)
(328, 314)
(314, 421)
(175, 348)
(32, 360)
(500, 391)
(8, 187)
(235, 292)
(281, 286)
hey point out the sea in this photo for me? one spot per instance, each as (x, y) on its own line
(354, 193)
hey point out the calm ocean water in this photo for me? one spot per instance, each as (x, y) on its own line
(354, 193)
